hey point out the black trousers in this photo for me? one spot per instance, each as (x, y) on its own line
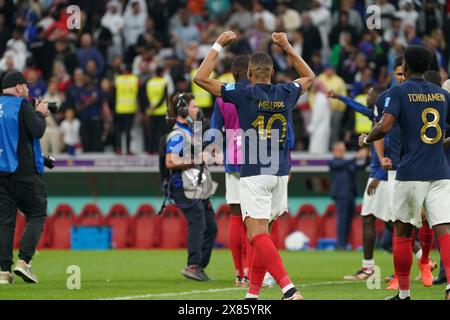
(91, 135)
(157, 127)
(28, 193)
(345, 209)
(123, 123)
(202, 228)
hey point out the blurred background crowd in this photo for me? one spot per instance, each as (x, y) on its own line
(114, 77)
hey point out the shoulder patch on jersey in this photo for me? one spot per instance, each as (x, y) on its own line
(229, 87)
(296, 84)
(386, 102)
(375, 111)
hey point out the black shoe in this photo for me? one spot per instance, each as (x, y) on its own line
(447, 294)
(193, 272)
(441, 279)
(204, 274)
(397, 297)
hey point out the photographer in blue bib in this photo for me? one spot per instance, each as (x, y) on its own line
(189, 186)
(22, 187)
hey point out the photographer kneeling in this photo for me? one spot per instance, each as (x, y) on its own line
(21, 169)
(190, 186)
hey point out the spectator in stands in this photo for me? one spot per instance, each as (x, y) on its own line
(18, 47)
(51, 141)
(260, 12)
(409, 29)
(312, 41)
(319, 128)
(321, 19)
(333, 82)
(70, 131)
(150, 39)
(114, 21)
(291, 18)
(88, 106)
(89, 52)
(241, 18)
(185, 34)
(339, 28)
(36, 85)
(258, 37)
(61, 76)
(387, 11)
(344, 189)
(134, 23)
(354, 18)
(407, 12)
(217, 9)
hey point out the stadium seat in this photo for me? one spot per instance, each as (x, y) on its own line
(90, 216)
(328, 223)
(281, 228)
(145, 228)
(61, 222)
(223, 225)
(307, 221)
(118, 218)
(20, 227)
(173, 228)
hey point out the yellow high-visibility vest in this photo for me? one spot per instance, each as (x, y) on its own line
(156, 90)
(203, 98)
(127, 88)
(227, 78)
(362, 123)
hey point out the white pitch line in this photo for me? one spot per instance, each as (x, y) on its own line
(174, 294)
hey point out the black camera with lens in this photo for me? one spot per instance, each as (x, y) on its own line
(49, 161)
(52, 106)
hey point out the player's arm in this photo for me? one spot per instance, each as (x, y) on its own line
(358, 107)
(379, 130)
(202, 79)
(307, 76)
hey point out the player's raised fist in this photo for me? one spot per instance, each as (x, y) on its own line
(280, 39)
(226, 38)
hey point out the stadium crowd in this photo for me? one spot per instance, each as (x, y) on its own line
(126, 60)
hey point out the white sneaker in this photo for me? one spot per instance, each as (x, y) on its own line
(24, 271)
(6, 277)
(268, 281)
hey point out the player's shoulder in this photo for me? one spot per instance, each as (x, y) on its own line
(289, 86)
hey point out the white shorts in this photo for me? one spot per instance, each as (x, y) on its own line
(377, 204)
(392, 174)
(264, 197)
(232, 188)
(410, 196)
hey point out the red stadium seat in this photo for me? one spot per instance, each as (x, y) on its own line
(118, 218)
(145, 228)
(223, 225)
(20, 228)
(173, 228)
(61, 222)
(281, 228)
(307, 220)
(90, 216)
(328, 223)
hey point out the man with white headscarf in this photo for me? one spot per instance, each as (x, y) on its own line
(114, 22)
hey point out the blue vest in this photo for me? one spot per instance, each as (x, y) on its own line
(9, 136)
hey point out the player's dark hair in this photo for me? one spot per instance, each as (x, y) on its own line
(261, 64)
(398, 62)
(417, 59)
(239, 67)
(433, 77)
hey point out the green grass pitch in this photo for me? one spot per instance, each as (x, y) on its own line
(155, 274)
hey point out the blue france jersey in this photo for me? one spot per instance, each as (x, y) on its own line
(422, 110)
(264, 112)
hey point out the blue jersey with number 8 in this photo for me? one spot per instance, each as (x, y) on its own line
(422, 110)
